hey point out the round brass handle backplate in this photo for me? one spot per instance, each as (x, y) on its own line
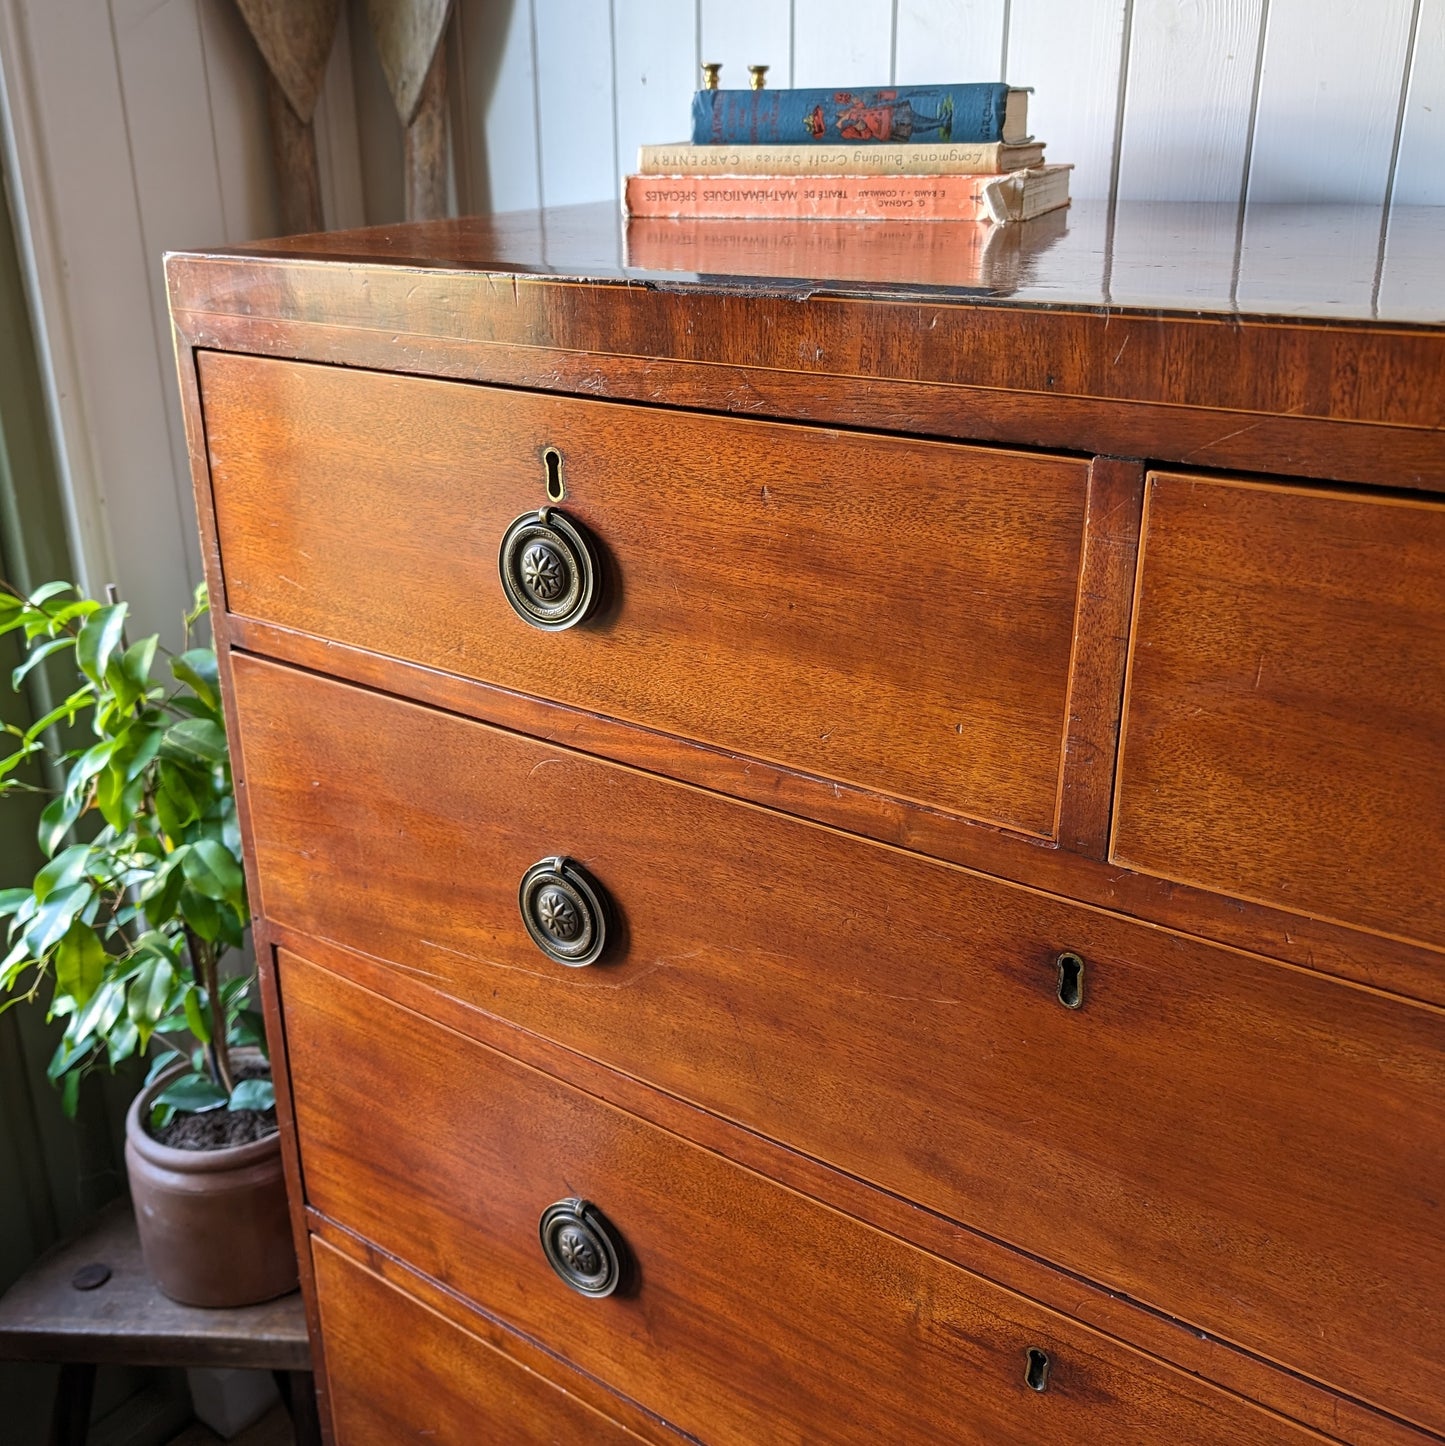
(582, 1247)
(565, 911)
(548, 567)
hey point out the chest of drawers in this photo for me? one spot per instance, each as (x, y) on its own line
(843, 861)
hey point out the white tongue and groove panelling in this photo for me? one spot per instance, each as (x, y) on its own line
(1203, 100)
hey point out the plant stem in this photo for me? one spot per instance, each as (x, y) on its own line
(208, 976)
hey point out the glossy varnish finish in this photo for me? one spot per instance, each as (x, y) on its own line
(864, 1155)
(1285, 716)
(767, 968)
(754, 1314)
(382, 1342)
(769, 559)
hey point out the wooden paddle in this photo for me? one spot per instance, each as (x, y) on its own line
(410, 39)
(294, 37)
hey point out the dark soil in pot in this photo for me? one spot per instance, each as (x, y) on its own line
(217, 1129)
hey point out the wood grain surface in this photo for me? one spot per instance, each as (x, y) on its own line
(1063, 368)
(753, 1313)
(402, 1372)
(1284, 731)
(893, 614)
(768, 969)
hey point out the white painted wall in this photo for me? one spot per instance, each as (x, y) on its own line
(135, 126)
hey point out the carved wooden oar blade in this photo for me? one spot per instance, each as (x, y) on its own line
(407, 35)
(294, 37)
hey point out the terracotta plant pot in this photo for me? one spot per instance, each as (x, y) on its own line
(214, 1227)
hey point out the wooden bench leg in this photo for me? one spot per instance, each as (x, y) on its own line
(298, 1391)
(70, 1415)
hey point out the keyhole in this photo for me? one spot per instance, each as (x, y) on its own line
(1071, 981)
(1036, 1372)
(552, 460)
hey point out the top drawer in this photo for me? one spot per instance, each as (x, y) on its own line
(888, 613)
(1284, 721)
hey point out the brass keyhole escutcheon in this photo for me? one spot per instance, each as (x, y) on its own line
(1036, 1369)
(556, 482)
(1071, 980)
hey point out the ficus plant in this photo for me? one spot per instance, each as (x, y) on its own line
(123, 930)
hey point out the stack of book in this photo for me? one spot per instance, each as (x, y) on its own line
(933, 153)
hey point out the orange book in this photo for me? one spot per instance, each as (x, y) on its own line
(1014, 197)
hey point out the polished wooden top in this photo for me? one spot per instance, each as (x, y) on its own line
(1343, 263)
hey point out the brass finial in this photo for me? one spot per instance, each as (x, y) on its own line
(759, 74)
(710, 71)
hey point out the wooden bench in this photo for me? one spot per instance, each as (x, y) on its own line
(89, 1302)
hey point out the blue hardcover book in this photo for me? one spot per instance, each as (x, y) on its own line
(966, 114)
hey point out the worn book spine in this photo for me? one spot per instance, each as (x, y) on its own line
(882, 198)
(896, 115)
(915, 159)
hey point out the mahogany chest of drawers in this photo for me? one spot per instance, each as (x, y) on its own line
(840, 861)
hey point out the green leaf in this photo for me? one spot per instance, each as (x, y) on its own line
(39, 655)
(70, 1095)
(150, 991)
(161, 1063)
(11, 900)
(249, 1028)
(195, 1016)
(196, 668)
(212, 871)
(176, 801)
(135, 662)
(98, 639)
(80, 964)
(161, 895)
(54, 918)
(10, 764)
(89, 764)
(65, 712)
(122, 1042)
(118, 798)
(65, 869)
(99, 1015)
(48, 590)
(253, 1094)
(194, 1093)
(195, 740)
(201, 914)
(57, 818)
(144, 744)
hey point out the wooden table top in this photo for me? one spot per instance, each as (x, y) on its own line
(127, 1321)
(1340, 263)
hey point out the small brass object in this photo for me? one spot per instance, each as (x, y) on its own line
(758, 75)
(1071, 980)
(1036, 1369)
(710, 71)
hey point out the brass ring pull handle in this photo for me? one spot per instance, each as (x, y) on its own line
(548, 567)
(582, 1247)
(565, 911)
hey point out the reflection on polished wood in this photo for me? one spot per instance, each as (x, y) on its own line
(1341, 262)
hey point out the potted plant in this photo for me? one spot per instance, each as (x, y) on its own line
(123, 933)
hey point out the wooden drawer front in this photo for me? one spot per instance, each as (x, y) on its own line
(397, 1371)
(1284, 731)
(755, 1314)
(1207, 1133)
(888, 613)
